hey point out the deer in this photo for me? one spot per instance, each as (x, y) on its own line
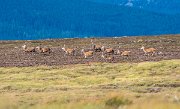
(96, 48)
(28, 49)
(148, 50)
(108, 50)
(68, 51)
(87, 53)
(44, 49)
(125, 53)
(140, 40)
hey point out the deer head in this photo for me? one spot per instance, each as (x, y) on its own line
(142, 47)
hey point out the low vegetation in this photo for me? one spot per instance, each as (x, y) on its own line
(145, 85)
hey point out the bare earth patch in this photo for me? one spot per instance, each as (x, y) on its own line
(11, 53)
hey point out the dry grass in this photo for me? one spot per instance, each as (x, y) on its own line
(96, 86)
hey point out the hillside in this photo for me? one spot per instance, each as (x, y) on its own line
(42, 19)
(34, 80)
(12, 54)
(159, 6)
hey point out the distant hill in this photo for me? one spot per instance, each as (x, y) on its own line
(160, 6)
(40, 19)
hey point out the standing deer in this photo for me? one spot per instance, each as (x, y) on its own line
(148, 50)
(96, 48)
(44, 49)
(87, 53)
(68, 51)
(108, 50)
(28, 49)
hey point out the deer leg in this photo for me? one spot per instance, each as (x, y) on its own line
(74, 53)
(145, 53)
(65, 54)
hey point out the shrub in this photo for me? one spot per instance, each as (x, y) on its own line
(117, 101)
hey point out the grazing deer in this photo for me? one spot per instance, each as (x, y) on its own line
(140, 40)
(28, 49)
(96, 48)
(87, 53)
(108, 50)
(68, 51)
(44, 49)
(125, 53)
(148, 50)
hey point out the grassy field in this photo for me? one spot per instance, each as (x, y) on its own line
(145, 85)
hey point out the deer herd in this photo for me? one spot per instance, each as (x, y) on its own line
(106, 53)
